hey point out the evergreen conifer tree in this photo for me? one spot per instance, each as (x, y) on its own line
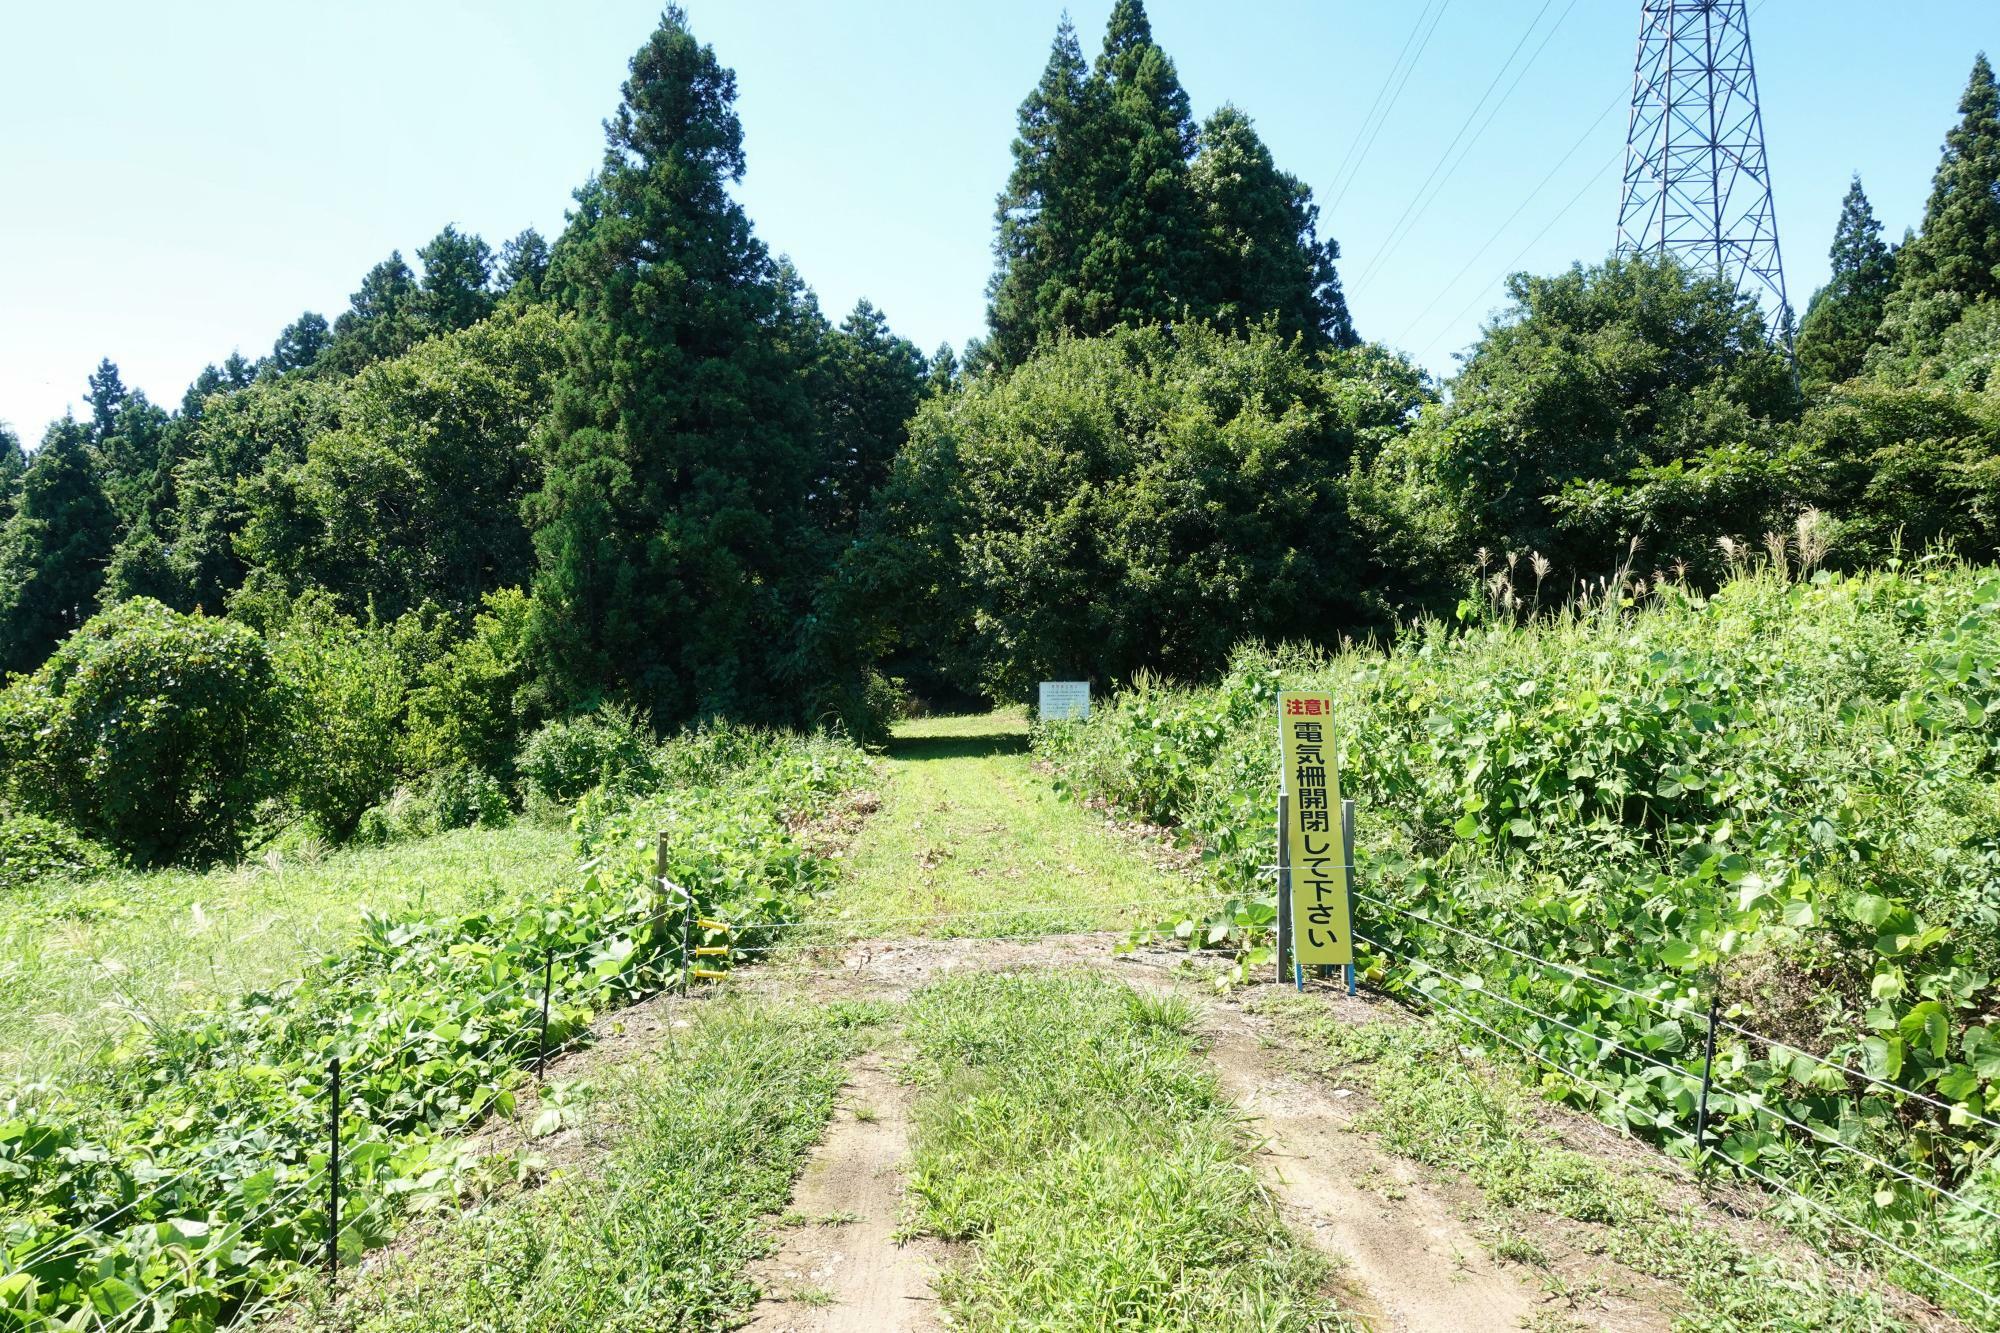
(524, 261)
(1954, 261)
(456, 289)
(105, 395)
(1261, 239)
(1049, 208)
(1843, 317)
(671, 533)
(13, 463)
(1142, 263)
(870, 384)
(381, 318)
(53, 549)
(301, 343)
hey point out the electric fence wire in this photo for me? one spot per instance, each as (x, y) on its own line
(1674, 1007)
(1757, 1107)
(160, 1187)
(1779, 1186)
(1418, 205)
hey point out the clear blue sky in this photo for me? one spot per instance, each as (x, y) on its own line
(177, 181)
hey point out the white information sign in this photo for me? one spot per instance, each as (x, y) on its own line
(1065, 700)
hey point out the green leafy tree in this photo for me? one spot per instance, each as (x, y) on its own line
(456, 291)
(870, 382)
(152, 730)
(469, 704)
(416, 496)
(381, 320)
(524, 262)
(1954, 261)
(675, 554)
(1264, 256)
(53, 549)
(1139, 500)
(302, 343)
(1842, 320)
(1565, 407)
(201, 507)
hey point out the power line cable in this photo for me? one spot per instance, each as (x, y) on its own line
(1389, 109)
(1340, 173)
(1398, 231)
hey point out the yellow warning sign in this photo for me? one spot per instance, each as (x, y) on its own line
(1311, 776)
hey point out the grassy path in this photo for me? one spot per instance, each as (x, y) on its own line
(970, 840)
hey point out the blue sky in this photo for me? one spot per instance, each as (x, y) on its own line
(180, 181)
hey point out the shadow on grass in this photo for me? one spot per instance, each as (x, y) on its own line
(959, 747)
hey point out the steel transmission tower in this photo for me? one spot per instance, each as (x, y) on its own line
(1697, 185)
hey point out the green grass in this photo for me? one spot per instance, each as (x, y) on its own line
(1071, 1131)
(707, 1136)
(968, 826)
(1430, 1106)
(86, 966)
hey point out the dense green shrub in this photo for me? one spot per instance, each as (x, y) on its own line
(33, 849)
(344, 690)
(565, 758)
(458, 796)
(153, 730)
(466, 706)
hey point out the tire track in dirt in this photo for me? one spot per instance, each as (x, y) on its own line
(840, 1267)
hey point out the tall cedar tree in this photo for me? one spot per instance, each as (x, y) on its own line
(13, 463)
(1144, 262)
(1049, 208)
(1264, 255)
(301, 343)
(671, 539)
(456, 289)
(524, 261)
(105, 395)
(1954, 261)
(381, 318)
(870, 384)
(1844, 315)
(53, 549)
(1109, 217)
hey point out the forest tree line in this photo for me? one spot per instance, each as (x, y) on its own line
(639, 466)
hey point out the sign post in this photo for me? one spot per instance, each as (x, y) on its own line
(1065, 700)
(1284, 891)
(1315, 858)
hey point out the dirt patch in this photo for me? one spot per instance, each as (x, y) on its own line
(839, 1267)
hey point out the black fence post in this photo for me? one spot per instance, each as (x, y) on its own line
(548, 983)
(333, 1171)
(1707, 1073)
(1284, 891)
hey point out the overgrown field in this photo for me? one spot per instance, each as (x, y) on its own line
(91, 964)
(1783, 795)
(180, 1181)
